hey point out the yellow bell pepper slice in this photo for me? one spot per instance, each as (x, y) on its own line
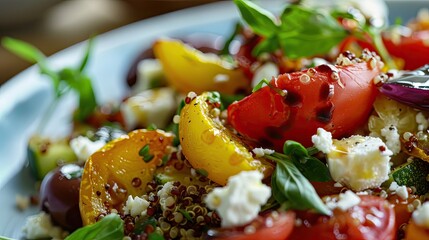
(211, 147)
(187, 69)
(118, 170)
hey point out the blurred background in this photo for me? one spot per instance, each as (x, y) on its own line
(52, 25)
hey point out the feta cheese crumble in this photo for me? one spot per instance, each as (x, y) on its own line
(260, 152)
(136, 206)
(240, 201)
(83, 147)
(345, 201)
(391, 134)
(323, 140)
(164, 195)
(40, 226)
(401, 191)
(421, 215)
(357, 162)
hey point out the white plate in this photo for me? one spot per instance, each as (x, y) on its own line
(24, 98)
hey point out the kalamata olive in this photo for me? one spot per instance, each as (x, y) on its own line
(59, 196)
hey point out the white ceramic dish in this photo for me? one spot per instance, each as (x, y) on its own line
(24, 98)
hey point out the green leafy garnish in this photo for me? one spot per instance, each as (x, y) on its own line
(300, 32)
(305, 32)
(144, 152)
(63, 80)
(290, 181)
(142, 223)
(175, 127)
(265, 81)
(152, 126)
(185, 214)
(109, 227)
(214, 97)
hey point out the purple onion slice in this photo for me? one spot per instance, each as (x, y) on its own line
(411, 88)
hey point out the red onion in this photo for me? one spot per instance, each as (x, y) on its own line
(411, 88)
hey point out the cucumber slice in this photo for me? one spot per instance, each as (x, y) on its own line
(44, 155)
(412, 174)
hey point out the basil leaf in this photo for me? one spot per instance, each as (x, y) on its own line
(87, 101)
(294, 149)
(260, 20)
(24, 50)
(86, 56)
(33, 55)
(109, 227)
(270, 44)
(308, 32)
(295, 190)
(313, 169)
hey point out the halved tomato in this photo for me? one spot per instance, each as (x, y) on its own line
(273, 226)
(373, 218)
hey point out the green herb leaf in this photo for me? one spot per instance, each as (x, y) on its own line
(267, 45)
(86, 56)
(24, 50)
(175, 127)
(260, 20)
(214, 97)
(109, 227)
(142, 223)
(296, 191)
(308, 32)
(313, 169)
(202, 172)
(152, 126)
(144, 153)
(186, 214)
(260, 85)
(294, 149)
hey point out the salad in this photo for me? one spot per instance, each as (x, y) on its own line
(309, 124)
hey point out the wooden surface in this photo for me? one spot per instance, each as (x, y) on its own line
(72, 21)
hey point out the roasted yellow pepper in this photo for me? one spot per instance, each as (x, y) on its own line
(188, 69)
(211, 147)
(120, 169)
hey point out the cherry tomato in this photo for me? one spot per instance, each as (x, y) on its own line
(336, 98)
(410, 51)
(402, 213)
(373, 218)
(413, 49)
(273, 226)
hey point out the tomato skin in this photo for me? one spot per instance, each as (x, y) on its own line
(348, 224)
(282, 225)
(402, 214)
(412, 51)
(337, 106)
